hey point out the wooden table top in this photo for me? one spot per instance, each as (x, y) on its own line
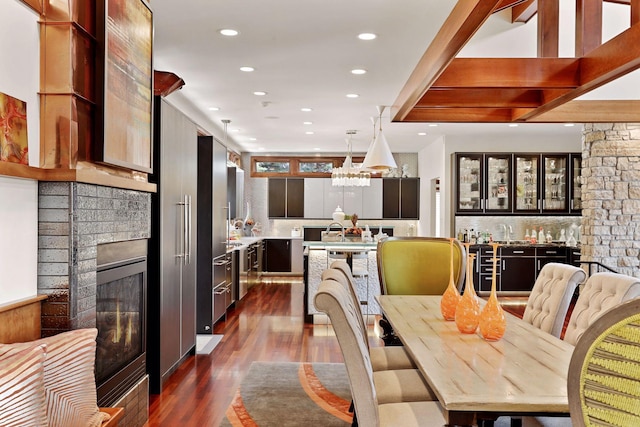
(524, 372)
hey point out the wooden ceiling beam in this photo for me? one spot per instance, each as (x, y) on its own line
(548, 28)
(461, 24)
(480, 97)
(540, 73)
(523, 12)
(635, 11)
(506, 4)
(592, 111)
(611, 60)
(588, 26)
(460, 115)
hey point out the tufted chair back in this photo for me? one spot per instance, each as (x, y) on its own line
(418, 265)
(551, 295)
(601, 292)
(333, 299)
(338, 276)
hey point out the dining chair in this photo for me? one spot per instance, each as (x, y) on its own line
(604, 372)
(418, 265)
(382, 358)
(333, 299)
(600, 292)
(551, 296)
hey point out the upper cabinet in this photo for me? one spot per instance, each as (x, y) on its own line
(286, 198)
(400, 198)
(321, 198)
(520, 183)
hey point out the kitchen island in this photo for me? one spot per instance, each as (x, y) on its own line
(318, 256)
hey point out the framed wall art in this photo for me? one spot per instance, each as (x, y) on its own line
(14, 145)
(124, 120)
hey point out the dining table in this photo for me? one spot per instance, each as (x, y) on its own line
(524, 373)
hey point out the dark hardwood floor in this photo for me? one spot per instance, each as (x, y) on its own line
(267, 325)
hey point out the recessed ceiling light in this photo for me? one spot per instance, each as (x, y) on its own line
(316, 149)
(259, 93)
(569, 125)
(253, 139)
(306, 109)
(513, 125)
(309, 132)
(366, 36)
(433, 125)
(214, 108)
(247, 69)
(307, 123)
(358, 71)
(352, 95)
(228, 32)
(422, 133)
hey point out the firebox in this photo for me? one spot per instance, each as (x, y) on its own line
(120, 318)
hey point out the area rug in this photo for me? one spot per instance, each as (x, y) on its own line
(291, 394)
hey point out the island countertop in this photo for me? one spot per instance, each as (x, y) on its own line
(340, 246)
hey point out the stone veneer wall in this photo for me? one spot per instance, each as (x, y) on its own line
(611, 196)
(73, 219)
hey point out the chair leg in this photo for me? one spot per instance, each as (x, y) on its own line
(351, 408)
(354, 422)
(516, 422)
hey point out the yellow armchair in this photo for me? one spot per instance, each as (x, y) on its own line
(419, 265)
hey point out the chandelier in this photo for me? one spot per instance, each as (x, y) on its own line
(349, 175)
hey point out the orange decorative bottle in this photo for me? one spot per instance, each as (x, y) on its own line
(468, 310)
(451, 296)
(492, 320)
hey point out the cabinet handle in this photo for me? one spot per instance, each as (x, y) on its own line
(538, 204)
(551, 252)
(518, 252)
(538, 265)
(481, 203)
(504, 264)
(571, 204)
(181, 245)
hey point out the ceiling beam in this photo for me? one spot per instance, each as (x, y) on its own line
(506, 4)
(635, 11)
(592, 111)
(588, 26)
(541, 73)
(480, 97)
(460, 115)
(611, 60)
(523, 12)
(548, 28)
(464, 20)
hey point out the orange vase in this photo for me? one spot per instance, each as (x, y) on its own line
(451, 296)
(492, 320)
(468, 310)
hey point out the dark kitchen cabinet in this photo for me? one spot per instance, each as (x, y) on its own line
(518, 183)
(400, 198)
(547, 255)
(484, 183)
(277, 255)
(517, 269)
(286, 197)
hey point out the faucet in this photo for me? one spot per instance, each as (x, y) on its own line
(508, 231)
(341, 228)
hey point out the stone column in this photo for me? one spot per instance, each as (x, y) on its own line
(611, 195)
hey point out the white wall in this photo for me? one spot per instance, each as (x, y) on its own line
(20, 78)
(431, 162)
(18, 238)
(20, 65)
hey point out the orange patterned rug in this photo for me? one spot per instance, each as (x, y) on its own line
(291, 394)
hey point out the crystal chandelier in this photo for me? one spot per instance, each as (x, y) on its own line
(349, 175)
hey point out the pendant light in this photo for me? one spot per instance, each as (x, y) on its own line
(379, 156)
(349, 175)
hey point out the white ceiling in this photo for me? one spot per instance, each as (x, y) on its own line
(303, 52)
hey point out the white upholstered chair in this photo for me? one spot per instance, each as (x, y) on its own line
(551, 295)
(382, 358)
(333, 299)
(404, 384)
(601, 292)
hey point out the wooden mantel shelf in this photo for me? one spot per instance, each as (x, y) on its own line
(88, 176)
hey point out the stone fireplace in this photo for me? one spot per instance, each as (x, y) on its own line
(77, 224)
